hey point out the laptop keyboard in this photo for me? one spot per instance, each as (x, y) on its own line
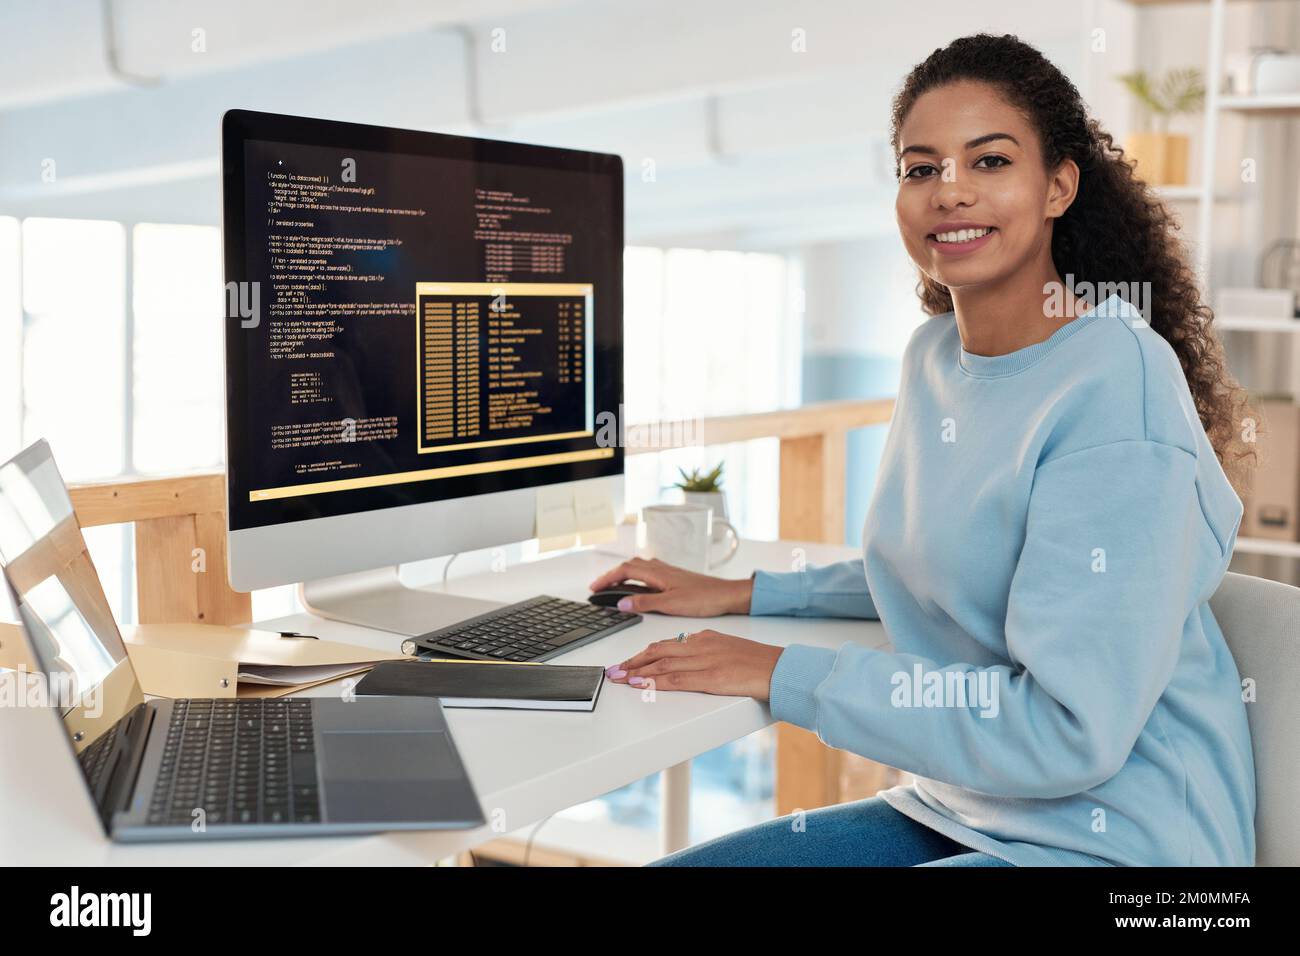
(533, 630)
(239, 761)
(94, 758)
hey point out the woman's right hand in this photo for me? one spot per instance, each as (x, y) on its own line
(681, 592)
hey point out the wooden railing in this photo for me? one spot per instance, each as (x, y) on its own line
(814, 439)
(180, 545)
(180, 548)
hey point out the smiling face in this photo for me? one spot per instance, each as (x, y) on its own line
(975, 203)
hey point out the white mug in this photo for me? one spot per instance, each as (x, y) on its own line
(682, 535)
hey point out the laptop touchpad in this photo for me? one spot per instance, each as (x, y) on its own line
(385, 777)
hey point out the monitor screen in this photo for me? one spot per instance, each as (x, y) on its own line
(413, 317)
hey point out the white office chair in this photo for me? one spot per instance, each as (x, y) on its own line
(1261, 622)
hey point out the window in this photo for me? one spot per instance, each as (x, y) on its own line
(117, 384)
(709, 333)
(73, 342)
(179, 395)
(64, 326)
(11, 321)
(62, 368)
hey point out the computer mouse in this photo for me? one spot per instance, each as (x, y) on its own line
(609, 597)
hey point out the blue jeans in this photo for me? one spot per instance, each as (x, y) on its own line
(865, 833)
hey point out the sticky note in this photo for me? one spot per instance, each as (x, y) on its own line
(556, 524)
(594, 509)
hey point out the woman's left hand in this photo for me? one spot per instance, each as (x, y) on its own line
(706, 661)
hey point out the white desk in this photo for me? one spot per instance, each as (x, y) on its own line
(525, 766)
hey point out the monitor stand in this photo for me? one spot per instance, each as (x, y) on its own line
(379, 599)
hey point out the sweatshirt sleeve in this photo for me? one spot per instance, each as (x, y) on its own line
(1117, 554)
(832, 590)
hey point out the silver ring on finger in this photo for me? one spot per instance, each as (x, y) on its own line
(681, 637)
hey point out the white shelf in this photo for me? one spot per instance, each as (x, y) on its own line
(1217, 105)
(1246, 323)
(1286, 549)
(1267, 104)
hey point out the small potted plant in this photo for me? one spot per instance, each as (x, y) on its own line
(1161, 156)
(701, 487)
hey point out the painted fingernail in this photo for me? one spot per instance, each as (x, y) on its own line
(616, 672)
(625, 604)
(638, 681)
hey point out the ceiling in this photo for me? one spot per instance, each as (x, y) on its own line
(742, 123)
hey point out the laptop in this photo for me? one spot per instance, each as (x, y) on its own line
(189, 769)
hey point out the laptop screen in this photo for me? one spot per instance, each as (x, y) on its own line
(72, 637)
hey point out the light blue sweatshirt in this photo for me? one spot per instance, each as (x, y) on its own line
(1044, 537)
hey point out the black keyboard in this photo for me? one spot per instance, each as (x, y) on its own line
(533, 630)
(95, 757)
(240, 761)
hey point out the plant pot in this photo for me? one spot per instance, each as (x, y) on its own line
(1161, 158)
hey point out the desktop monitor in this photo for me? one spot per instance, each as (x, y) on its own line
(422, 330)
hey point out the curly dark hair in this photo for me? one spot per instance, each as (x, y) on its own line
(1116, 231)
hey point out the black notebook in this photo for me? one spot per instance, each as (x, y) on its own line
(487, 684)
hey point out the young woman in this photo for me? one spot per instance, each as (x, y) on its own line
(1051, 518)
